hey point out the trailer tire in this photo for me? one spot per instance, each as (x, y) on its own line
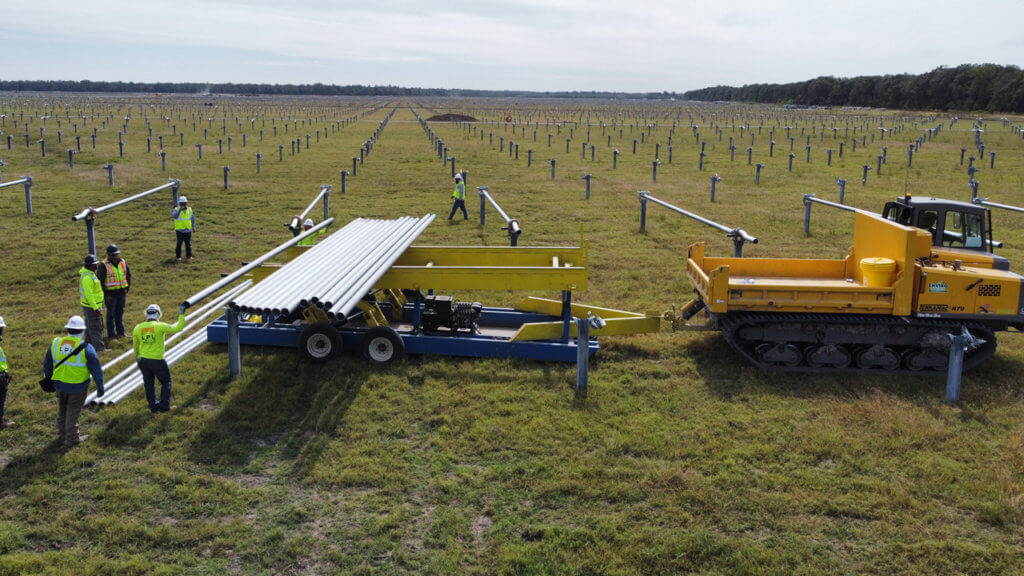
(383, 346)
(320, 342)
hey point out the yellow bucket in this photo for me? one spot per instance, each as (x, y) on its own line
(878, 271)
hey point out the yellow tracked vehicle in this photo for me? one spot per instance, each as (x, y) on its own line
(889, 306)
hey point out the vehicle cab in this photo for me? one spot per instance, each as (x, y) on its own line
(960, 230)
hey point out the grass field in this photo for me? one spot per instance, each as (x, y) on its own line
(681, 460)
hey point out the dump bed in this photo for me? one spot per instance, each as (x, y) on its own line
(812, 285)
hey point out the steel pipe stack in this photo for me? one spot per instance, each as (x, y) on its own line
(337, 272)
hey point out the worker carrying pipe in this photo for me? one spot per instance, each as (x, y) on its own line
(459, 195)
(148, 345)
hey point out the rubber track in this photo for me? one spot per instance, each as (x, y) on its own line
(730, 324)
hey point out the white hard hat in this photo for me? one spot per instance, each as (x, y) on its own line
(2, 323)
(75, 323)
(153, 311)
(308, 222)
(458, 176)
(182, 199)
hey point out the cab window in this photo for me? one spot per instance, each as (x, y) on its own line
(962, 230)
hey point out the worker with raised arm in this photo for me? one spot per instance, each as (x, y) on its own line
(148, 345)
(70, 362)
(116, 277)
(459, 195)
(312, 238)
(184, 225)
(90, 293)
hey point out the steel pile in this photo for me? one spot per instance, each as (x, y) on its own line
(337, 272)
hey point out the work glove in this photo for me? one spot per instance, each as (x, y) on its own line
(99, 392)
(181, 310)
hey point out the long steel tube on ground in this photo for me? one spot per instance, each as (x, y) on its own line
(113, 384)
(301, 275)
(201, 295)
(170, 184)
(188, 318)
(134, 380)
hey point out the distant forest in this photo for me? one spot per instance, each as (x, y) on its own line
(987, 87)
(317, 89)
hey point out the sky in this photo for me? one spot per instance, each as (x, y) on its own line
(537, 45)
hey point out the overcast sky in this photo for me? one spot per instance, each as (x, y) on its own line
(543, 45)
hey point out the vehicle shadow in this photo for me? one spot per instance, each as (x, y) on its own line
(728, 375)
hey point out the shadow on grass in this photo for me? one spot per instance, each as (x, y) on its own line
(282, 404)
(728, 375)
(23, 469)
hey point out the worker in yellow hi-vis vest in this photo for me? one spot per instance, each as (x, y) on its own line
(459, 197)
(148, 344)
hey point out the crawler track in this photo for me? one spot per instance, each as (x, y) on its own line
(830, 343)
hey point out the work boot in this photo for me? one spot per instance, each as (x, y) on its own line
(69, 445)
(5, 423)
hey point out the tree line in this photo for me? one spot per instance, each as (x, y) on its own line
(317, 89)
(987, 87)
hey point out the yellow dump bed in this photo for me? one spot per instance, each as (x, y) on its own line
(810, 285)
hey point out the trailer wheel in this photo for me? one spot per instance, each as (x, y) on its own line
(382, 345)
(320, 342)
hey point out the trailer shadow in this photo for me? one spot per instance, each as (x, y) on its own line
(280, 405)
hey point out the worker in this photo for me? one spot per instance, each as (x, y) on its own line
(459, 194)
(70, 362)
(148, 344)
(117, 279)
(311, 239)
(5, 379)
(90, 292)
(184, 225)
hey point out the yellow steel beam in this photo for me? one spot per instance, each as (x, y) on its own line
(483, 278)
(612, 327)
(540, 257)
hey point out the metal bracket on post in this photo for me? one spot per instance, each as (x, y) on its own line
(234, 343)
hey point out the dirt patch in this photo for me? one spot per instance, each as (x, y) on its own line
(451, 118)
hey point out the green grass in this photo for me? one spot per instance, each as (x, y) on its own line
(681, 460)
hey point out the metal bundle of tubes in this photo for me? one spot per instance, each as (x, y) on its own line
(129, 379)
(337, 272)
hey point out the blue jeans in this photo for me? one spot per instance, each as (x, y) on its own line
(114, 301)
(184, 236)
(158, 369)
(459, 204)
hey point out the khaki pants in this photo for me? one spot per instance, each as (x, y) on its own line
(69, 408)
